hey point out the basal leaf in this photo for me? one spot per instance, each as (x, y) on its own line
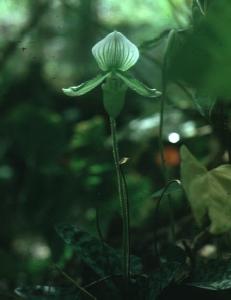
(101, 258)
(212, 275)
(209, 192)
(138, 86)
(168, 273)
(85, 87)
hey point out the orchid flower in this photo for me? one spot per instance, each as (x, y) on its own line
(115, 54)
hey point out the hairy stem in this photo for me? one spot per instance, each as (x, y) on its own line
(123, 200)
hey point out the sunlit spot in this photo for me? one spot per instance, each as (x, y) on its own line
(173, 137)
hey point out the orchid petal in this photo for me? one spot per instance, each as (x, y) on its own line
(138, 86)
(85, 87)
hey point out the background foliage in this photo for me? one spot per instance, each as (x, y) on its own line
(55, 152)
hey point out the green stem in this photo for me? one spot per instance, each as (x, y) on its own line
(100, 234)
(156, 213)
(123, 200)
(127, 222)
(161, 127)
(161, 143)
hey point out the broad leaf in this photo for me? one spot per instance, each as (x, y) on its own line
(209, 192)
(168, 273)
(212, 275)
(85, 87)
(101, 258)
(138, 86)
(97, 255)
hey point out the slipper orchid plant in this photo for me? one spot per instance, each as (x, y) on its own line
(115, 55)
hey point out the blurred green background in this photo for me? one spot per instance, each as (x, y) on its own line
(55, 152)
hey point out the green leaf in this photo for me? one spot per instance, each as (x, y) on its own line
(98, 256)
(174, 187)
(85, 87)
(212, 275)
(209, 192)
(172, 270)
(203, 59)
(138, 86)
(168, 273)
(46, 293)
(101, 258)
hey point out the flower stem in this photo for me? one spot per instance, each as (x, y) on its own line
(123, 200)
(161, 127)
(161, 144)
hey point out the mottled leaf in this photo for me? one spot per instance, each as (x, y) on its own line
(97, 255)
(168, 273)
(212, 275)
(101, 258)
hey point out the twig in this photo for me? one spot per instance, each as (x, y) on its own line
(82, 289)
(102, 279)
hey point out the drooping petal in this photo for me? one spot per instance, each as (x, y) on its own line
(138, 86)
(115, 52)
(85, 87)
